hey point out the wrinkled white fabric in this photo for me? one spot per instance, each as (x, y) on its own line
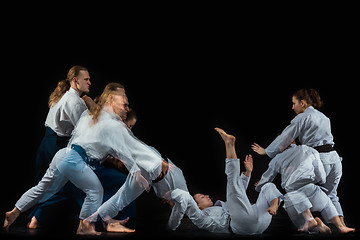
(236, 212)
(312, 128)
(111, 136)
(108, 136)
(63, 116)
(173, 179)
(298, 166)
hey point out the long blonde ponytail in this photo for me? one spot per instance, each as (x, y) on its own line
(64, 85)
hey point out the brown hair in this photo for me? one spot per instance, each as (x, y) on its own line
(131, 114)
(310, 96)
(110, 89)
(64, 85)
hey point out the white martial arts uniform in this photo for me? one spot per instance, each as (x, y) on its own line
(300, 168)
(236, 215)
(60, 122)
(63, 116)
(108, 136)
(174, 179)
(313, 129)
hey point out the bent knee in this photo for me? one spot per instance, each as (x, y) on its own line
(267, 186)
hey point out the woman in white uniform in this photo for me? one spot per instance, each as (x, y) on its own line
(301, 168)
(313, 129)
(96, 135)
(235, 215)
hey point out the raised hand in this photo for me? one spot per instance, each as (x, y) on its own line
(248, 165)
(258, 149)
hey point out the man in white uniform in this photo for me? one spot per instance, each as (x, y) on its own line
(66, 107)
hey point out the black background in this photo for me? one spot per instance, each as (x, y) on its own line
(184, 79)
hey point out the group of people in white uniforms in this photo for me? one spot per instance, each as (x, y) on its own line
(301, 169)
(313, 162)
(100, 131)
(303, 166)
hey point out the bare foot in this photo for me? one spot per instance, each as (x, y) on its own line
(344, 229)
(274, 206)
(323, 229)
(122, 222)
(10, 217)
(87, 228)
(342, 220)
(309, 225)
(33, 224)
(118, 227)
(272, 210)
(228, 139)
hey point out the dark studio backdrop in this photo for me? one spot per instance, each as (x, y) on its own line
(181, 89)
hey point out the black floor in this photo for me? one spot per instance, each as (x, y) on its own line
(151, 223)
(145, 228)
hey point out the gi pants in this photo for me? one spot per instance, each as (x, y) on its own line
(67, 165)
(247, 219)
(310, 197)
(333, 169)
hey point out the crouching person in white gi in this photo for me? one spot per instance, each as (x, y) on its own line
(236, 215)
(301, 168)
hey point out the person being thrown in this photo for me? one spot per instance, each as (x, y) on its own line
(236, 215)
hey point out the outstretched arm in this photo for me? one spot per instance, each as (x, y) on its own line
(267, 176)
(258, 149)
(185, 204)
(181, 200)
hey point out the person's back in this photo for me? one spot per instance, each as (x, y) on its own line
(316, 128)
(298, 165)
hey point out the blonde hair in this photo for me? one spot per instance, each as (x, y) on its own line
(110, 89)
(64, 85)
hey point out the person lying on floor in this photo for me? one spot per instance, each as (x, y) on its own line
(236, 215)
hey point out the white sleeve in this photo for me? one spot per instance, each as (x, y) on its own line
(244, 180)
(185, 204)
(289, 134)
(180, 199)
(267, 176)
(131, 150)
(173, 179)
(74, 110)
